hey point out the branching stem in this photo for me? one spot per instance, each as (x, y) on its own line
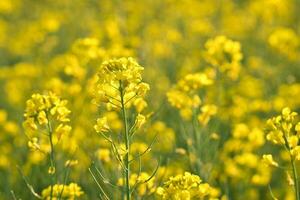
(127, 143)
(52, 157)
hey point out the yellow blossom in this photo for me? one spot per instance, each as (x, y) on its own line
(224, 54)
(268, 160)
(102, 125)
(140, 121)
(206, 112)
(187, 186)
(69, 192)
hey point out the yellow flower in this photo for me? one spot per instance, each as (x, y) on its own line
(33, 144)
(102, 125)
(285, 41)
(74, 190)
(283, 126)
(51, 170)
(69, 192)
(140, 121)
(268, 160)
(184, 96)
(142, 89)
(293, 141)
(45, 114)
(70, 163)
(29, 124)
(224, 54)
(140, 104)
(194, 82)
(120, 79)
(206, 112)
(42, 119)
(288, 115)
(62, 130)
(187, 186)
(40, 107)
(296, 152)
(103, 155)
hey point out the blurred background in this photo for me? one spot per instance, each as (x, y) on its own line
(57, 45)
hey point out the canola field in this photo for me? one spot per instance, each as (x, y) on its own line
(149, 99)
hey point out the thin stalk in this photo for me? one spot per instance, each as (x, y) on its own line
(295, 175)
(127, 143)
(29, 186)
(271, 193)
(67, 171)
(98, 184)
(13, 195)
(52, 157)
(197, 144)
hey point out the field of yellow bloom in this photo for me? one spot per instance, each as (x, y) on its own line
(150, 99)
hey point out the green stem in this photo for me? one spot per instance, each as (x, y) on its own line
(127, 143)
(295, 175)
(197, 144)
(52, 157)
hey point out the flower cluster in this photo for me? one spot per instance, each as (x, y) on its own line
(225, 55)
(285, 41)
(45, 111)
(184, 187)
(64, 192)
(268, 160)
(239, 156)
(102, 126)
(185, 95)
(120, 81)
(206, 112)
(47, 114)
(285, 130)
